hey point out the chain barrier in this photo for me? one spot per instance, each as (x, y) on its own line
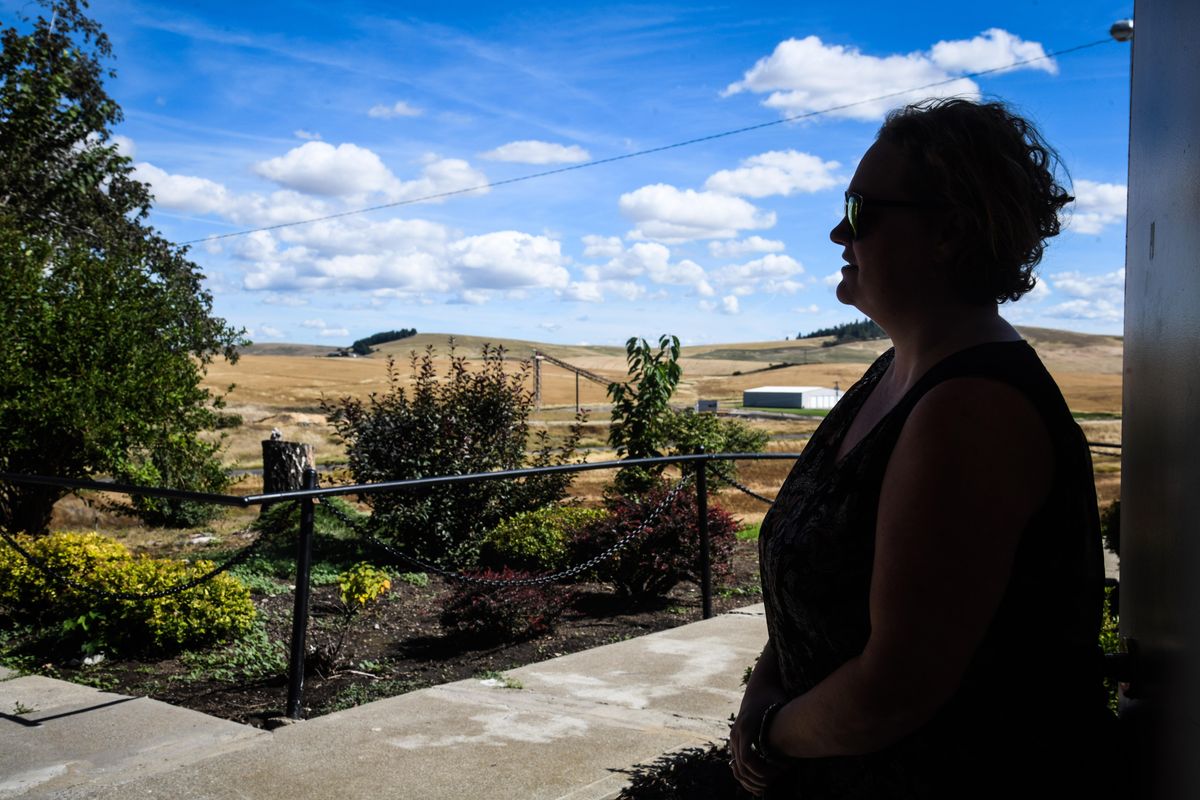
(540, 580)
(49, 572)
(744, 489)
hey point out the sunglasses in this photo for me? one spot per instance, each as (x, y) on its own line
(855, 202)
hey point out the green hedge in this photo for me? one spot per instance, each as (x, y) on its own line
(214, 611)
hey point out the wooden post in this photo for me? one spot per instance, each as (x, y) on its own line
(284, 464)
(537, 380)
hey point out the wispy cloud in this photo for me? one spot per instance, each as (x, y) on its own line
(531, 151)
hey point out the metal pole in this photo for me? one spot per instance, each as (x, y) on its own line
(300, 608)
(702, 512)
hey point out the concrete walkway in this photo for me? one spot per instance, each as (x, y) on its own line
(565, 733)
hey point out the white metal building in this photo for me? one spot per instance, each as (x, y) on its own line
(790, 397)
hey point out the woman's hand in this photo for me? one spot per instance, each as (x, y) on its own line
(763, 689)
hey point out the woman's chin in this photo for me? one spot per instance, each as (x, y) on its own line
(845, 293)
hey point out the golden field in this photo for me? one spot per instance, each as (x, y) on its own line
(283, 386)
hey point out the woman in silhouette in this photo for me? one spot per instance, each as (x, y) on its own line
(931, 569)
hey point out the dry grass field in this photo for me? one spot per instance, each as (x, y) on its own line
(282, 386)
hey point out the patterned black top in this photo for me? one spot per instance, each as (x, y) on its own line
(1039, 655)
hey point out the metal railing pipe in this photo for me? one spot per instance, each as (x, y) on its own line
(705, 555)
(300, 605)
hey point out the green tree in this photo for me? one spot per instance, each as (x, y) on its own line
(641, 406)
(106, 327)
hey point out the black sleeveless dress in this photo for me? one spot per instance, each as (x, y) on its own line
(1031, 708)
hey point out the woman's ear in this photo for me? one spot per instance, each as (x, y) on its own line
(948, 236)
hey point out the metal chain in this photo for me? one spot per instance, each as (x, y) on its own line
(49, 572)
(743, 489)
(540, 580)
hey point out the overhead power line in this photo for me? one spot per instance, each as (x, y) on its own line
(651, 150)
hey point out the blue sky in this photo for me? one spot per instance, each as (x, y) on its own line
(251, 114)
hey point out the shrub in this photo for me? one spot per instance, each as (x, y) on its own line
(362, 585)
(182, 462)
(685, 431)
(505, 613)
(467, 422)
(536, 540)
(667, 552)
(640, 406)
(214, 611)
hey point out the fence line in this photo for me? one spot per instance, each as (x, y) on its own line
(311, 493)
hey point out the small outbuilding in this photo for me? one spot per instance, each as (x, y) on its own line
(790, 397)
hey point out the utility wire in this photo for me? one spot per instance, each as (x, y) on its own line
(662, 148)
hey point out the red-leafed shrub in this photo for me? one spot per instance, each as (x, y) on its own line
(507, 613)
(664, 554)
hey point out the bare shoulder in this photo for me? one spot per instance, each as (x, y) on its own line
(986, 426)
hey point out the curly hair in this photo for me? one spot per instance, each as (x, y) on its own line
(995, 175)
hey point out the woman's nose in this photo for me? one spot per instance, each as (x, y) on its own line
(841, 233)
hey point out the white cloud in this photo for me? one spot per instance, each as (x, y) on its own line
(833, 278)
(1109, 285)
(770, 267)
(531, 151)
(124, 145)
(649, 259)
(812, 308)
(350, 171)
(806, 75)
(1039, 292)
(270, 332)
(776, 172)
(300, 133)
(441, 175)
(509, 260)
(743, 247)
(993, 49)
(594, 291)
(602, 246)
(663, 212)
(398, 109)
(1096, 205)
(1087, 309)
(182, 192)
(320, 168)
(584, 292)
(727, 305)
(786, 286)
(323, 329)
(1094, 297)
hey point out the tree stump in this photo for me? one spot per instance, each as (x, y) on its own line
(283, 466)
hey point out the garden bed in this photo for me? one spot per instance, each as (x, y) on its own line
(395, 646)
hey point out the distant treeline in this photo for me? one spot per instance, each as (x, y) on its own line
(363, 346)
(849, 332)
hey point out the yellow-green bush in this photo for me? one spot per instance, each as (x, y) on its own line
(216, 610)
(363, 584)
(536, 541)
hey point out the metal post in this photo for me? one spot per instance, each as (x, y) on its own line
(702, 512)
(300, 608)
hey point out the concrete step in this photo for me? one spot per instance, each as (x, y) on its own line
(567, 732)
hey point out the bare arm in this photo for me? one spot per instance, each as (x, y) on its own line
(764, 688)
(972, 465)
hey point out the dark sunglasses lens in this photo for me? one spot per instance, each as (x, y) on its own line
(853, 202)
